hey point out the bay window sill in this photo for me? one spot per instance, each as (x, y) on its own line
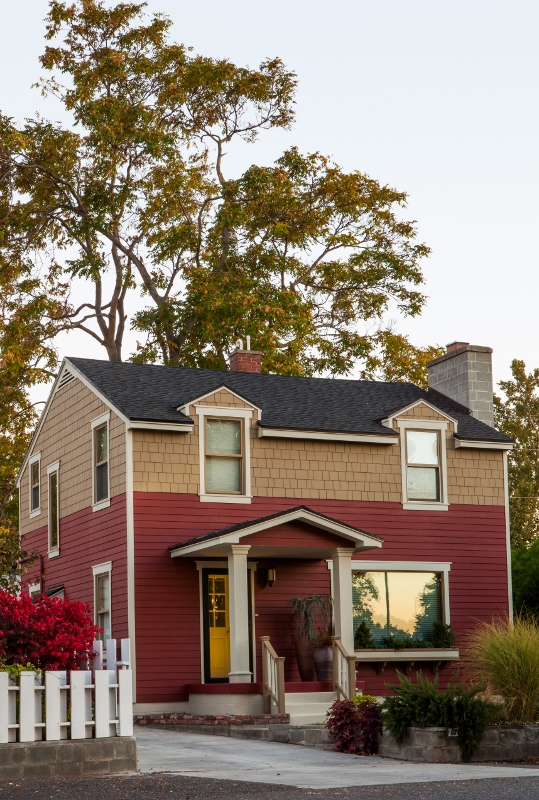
(407, 654)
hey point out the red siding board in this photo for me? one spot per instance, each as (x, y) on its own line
(87, 539)
(167, 590)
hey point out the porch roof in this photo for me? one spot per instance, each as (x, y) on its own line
(215, 543)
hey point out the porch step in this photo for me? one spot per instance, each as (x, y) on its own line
(308, 708)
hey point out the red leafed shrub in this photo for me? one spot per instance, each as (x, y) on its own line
(52, 634)
(355, 725)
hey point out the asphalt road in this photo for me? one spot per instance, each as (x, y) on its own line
(179, 787)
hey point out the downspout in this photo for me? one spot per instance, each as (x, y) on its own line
(508, 531)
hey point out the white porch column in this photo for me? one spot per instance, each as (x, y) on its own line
(238, 588)
(342, 597)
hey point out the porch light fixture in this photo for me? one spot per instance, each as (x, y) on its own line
(271, 576)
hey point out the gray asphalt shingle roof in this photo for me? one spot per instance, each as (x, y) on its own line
(152, 393)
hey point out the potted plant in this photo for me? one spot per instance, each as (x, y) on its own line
(313, 622)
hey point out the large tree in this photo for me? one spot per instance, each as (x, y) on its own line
(518, 416)
(134, 198)
(27, 357)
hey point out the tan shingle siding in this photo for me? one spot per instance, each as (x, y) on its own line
(66, 435)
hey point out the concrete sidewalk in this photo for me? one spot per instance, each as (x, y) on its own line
(227, 758)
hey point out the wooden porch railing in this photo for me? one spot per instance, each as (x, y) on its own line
(272, 677)
(344, 671)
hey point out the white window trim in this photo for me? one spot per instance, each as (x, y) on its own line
(37, 511)
(103, 569)
(427, 425)
(96, 423)
(443, 567)
(55, 467)
(245, 414)
(34, 588)
(251, 568)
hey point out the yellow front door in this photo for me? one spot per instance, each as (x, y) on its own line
(218, 626)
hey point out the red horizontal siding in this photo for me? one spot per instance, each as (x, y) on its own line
(472, 538)
(86, 539)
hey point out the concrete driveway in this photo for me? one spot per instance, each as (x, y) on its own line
(227, 758)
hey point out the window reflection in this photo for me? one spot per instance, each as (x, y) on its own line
(397, 605)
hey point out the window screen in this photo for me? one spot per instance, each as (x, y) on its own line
(397, 605)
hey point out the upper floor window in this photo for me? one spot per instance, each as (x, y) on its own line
(224, 450)
(423, 465)
(101, 451)
(35, 484)
(224, 456)
(101, 462)
(54, 509)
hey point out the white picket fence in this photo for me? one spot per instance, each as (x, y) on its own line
(94, 703)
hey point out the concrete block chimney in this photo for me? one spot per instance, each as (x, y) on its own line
(464, 374)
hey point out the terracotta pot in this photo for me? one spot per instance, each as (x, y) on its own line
(323, 663)
(304, 657)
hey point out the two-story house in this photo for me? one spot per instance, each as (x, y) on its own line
(188, 506)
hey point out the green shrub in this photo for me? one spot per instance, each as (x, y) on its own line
(505, 656)
(422, 705)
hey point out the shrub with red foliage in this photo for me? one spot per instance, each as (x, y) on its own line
(49, 633)
(355, 725)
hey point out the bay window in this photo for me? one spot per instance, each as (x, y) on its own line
(398, 607)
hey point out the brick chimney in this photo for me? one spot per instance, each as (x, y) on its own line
(246, 361)
(464, 374)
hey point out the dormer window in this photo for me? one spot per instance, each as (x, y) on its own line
(224, 447)
(224, 456)
(423, 465)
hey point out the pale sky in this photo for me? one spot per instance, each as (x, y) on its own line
(436, 99)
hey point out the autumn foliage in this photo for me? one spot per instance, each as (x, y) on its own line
(49, 633)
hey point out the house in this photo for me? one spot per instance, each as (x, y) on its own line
(188, 506)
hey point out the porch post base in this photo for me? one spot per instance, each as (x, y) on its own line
(240, 677)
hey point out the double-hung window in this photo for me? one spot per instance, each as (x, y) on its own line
(101, 462)
(423, 465)
(53, 477)
(102, 599)
(35, 485)
(224, 449)
(224, 456)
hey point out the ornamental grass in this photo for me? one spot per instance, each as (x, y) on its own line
(505, 656)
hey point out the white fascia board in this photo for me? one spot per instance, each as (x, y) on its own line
(361, 438)
(388, 421)
(221, 388)
(477, 445)
(176, 427)
(300, 516)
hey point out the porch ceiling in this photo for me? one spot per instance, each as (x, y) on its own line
(338, 534)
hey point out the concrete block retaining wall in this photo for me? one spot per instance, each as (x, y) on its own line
(499, 743)
(68, 759)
